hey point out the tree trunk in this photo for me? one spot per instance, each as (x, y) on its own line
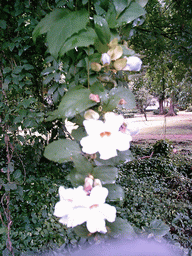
(171, 111)
(161, 111)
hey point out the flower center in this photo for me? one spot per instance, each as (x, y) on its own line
(93, 206)
(102, 134)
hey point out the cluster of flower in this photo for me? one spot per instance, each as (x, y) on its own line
(115, 58)
(133, 62)
(85, 204)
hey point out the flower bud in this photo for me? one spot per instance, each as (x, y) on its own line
(113, 43)
(133, 64)
(97, 182)
(94, 97)
(88, 184)
(122, 102)
(91, 114)
(105, 59)
(115, 52)
(120, 64)
(95, 66)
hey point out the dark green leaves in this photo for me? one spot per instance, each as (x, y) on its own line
(60, 25)
(121, 13)
(62, 150)
(74, 102)
(83, 38)
(157, 228)
(131, 13)
(121, 228)
(116, 192)
(3, 24)
(102, 29)
(107, 174)
(116, 94)
(120, 5)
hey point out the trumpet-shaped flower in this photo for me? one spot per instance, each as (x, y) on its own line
(76, 207)
(133, 64)
(105, 137)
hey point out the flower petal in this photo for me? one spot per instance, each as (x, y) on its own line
(93, 127)
(121, 141)
(78, 216)
(62, 208)
(90, 144)
(98, 195)
(108, 211)
(96, 222)
(66, 194)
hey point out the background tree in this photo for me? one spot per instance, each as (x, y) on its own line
(165, 38)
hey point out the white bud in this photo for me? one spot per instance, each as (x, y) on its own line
(105, 59)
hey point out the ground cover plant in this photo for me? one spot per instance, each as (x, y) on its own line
(159, 186)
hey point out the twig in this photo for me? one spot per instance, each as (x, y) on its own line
(143, 157)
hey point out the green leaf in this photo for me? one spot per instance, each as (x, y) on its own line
(47, 71)
(81, 231)
(11, 167)
(121, 228)
(115, 95)
(7, 70)
(6, 82)
(82, 39)
(28, 67)
(79, 133)
(120, 5)
(111, 16)
(131, 13)
(17, 174)
(127, 51)
(75, 101)
(107, 174)
(3, 24)
(142, 2)
(116, 192)
(48, 78)
(10, 186)
(64, 28)
(76, 178)
(18, 70)
(53, 115)
(123, 157)
(158, 228)
(46, 23)
(82, 165)
(102, 29)
(62, 150)
(3, 230)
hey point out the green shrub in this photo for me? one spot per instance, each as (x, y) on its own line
(162, 147)
(189, 109)
(155, 188)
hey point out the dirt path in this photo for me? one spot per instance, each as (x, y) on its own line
(175, 128)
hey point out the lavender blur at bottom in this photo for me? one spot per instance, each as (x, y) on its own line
(138, 247)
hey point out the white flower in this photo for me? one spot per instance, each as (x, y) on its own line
(98, 210)
(76, 207)
(105, 137)
(133, 64)
(105, 58)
